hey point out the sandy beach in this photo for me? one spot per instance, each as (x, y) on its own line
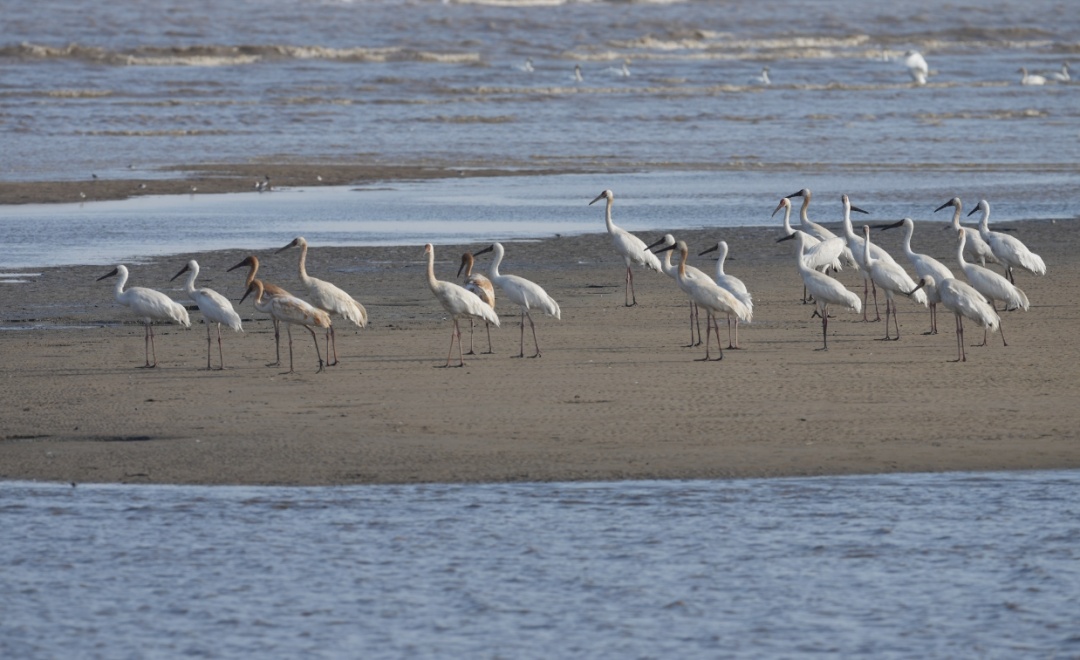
(616, 394)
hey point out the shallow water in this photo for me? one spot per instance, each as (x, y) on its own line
(945, 565)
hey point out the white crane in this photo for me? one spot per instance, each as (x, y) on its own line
(632, 248)
(328, 298)
(1009, 250)
(856, 247)
(710, 295)
(819, 255)
(825, 290)
(522, 292)
(732, 284)
(893, 279)
(916, 66)
(672, 271)
(481, 286)
(1030, 79)
(975, 248)
(148, 305)
(963, 301)
(991, 285)
(291, 311)
(458, 302)
(252, 263)
(926, 268)
(215, 309)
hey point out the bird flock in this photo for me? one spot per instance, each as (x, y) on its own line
(818, 254)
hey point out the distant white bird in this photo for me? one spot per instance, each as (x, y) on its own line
(524, 293)
(291, 311)
(328, 298)
(527, 67)
(763, 77)
(1008, 250)
(632, 248)
(215, 308)
(991, 285)
(1062, 75)
(458, 303)
(926, 268)
(710, 295)
(577, 74)
(825, 290)
(252, 263)
(855, 246)
(819, 255)
(975, 247)
(916, 66)
(620, 72)
(1030, 78)
(148, 305)
(893, 279)
(672, 271)
(963, 301)
(732, 284)
(481, 286)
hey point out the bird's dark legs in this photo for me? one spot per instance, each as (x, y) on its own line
(316, 340)
(331, 338)
(455, 333)
(471, 324)
(288, 329)
(630, 288)
(877, 311)
(521, 345)
(961, 356)
(533, 326)
(148, 345)
(824, 309)
(694, 318)
(488, 326)
(708, 335)
(221, 354)
(277, 344)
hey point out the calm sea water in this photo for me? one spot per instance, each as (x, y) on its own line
(947, 565)
(124, 89)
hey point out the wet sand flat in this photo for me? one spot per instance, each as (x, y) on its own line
(616, 395)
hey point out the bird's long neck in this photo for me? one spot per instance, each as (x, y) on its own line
(866, 250)
(961, 241)
(121, 280)
(189, 286)
(258, 299)
(956, 217)
(468, 266)
(787, 220)
(432, 282)
(909, 231)
(251, 271)
(682, 263)
(984, 223)
(848, 229)
(720, 261)
(303, 264)
(607, 215)
(493, 271)
(802, 210)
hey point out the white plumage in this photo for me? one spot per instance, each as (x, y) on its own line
(215, 308)
(1062, 75)
(1030, 79)
(252, 263)
(964, 301)
(291, 311)
(819, 254)
(916, 66)
(148, 305)
(1008, 250)
(893, 279)
(481, 286)
(825, 290)
(672, 271)
(991, 285)
(975, 247)
(458, 303)
(710, 295)
(926, 268)
(631, 247)
(857, 249)
(732, 284)
(527, 295)
(328, 298)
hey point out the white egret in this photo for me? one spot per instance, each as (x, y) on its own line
(732, 284)
(856, 247)
(481, 286)
(458, 302)
(991, 285)
(524, 293)
(328, 298)
(975, 248)
(893, 279)
(291, 311)
(631, 247)
(148, 305)
(963, 301)
(252, 263)
(215, 309)
(1030, 79)
(710, 295)
(1009, 250)
(1062, 75)
(667, 241)
(926, 268)
(825, 290)
(916, 66)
